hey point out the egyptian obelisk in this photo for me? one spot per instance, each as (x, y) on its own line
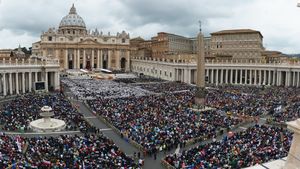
(200, 93)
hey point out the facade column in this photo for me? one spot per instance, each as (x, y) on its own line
(109, 59)
(66, 60)
(30, 81)
(231, 76)
(255, 77)
(23, 82)
(78, 58)
(98, 58)
(75, 59)
(101, 59)
(84, 60)
(46, 80)
(10, 84)
(17, 82)
(93, 58)
(4, 84)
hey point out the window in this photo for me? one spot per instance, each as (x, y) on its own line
(123, 40)
(49, 38)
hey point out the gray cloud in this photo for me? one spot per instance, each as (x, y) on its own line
(22, 21)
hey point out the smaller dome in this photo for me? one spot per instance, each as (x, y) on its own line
(72, 19)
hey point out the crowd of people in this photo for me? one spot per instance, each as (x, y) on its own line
(88, 151)
(255, 145)
(140, 79)
(166, 87)
(89, 89)
(254, 101)
(18, 113)
(161, 121)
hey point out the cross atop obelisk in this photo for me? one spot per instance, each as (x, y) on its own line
(200, 93)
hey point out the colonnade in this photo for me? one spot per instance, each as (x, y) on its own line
(276, 74)
(18, 77)
(276, 77)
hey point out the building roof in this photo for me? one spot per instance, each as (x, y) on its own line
(236, 31)
(72, 19)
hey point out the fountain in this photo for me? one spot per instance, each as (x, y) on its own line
(46, 123)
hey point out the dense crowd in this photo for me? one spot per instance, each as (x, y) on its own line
(167, 87)
(89, 89)
(255, 101)
(255, 145)
(11, 150)
(161, 121)
(18, 113)
(88, 151)
(140, 79)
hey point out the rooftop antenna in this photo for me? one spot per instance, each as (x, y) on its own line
(200, 28)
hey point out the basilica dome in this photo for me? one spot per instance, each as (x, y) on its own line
(72, 19)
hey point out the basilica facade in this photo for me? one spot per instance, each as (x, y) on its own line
(79, 48)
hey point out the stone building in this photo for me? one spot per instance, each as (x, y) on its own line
(79, 48)
(170, 44)
(237, 44)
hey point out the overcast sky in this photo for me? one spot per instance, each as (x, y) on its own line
(22, 21)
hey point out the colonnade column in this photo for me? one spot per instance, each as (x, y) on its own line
(269, 78)
(4, 84)
(17, 82)
(274, 77)
(217, 77)
(226, 76)
(250, 79)
(212, 76)
(255, 77)
(221, 78)
(101, 57)
(36, 77)
(298, 78)
(23, 82)
(260, 77)
(207, 75)
(30, 81)
(265, 77)
(246, 76)
(10, 83)
(294, 78)
(241, 76)
(231, 76)
(236, 76)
